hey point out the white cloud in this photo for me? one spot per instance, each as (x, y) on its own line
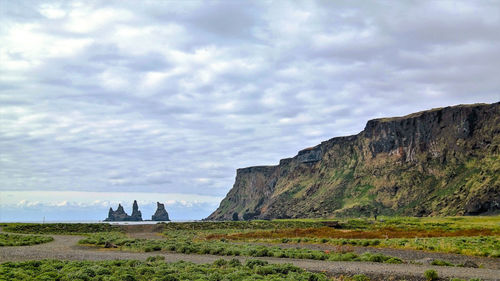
(52, 11)
(170, 97)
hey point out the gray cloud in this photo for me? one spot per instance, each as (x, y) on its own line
(174, 96)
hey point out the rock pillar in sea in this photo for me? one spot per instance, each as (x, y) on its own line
(136, 214)
(120, 215)
(160, 214)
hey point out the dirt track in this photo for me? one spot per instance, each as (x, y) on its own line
(65, 247)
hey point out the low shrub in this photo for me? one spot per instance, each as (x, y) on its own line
(252, 263)
(155, 258)
(242, 225)
(227, 249)
(60, 228)
(22, 240)
(431, 275)
(360, 277)
(441, 263)
(153, 269)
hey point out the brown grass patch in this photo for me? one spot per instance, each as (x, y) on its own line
(326, 232)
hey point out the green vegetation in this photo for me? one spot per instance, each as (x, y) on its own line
(425, 223)
(441, 263)
(22, 240)
(241, 225)
(431, 275)
(360, 277)
(60, 228)
(487, 246)
(479, 236)
(152, 269)
(187, 246)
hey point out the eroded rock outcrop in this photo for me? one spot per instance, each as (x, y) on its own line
(161, 213)
(121, 215)
(443, 161)
(136, 214)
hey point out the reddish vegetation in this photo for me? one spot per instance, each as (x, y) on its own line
(326, 232)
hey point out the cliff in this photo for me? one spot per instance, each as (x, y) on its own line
(443, 161)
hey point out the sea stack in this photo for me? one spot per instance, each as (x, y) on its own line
(160, 214)
(136, 214)
(120, 215)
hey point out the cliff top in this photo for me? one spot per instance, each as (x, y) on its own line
(420, 113)
(370, 123)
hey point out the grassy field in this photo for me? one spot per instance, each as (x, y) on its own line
(244, 225)
(153, 269)
(59, 228)
(478, 236)
(22, 240)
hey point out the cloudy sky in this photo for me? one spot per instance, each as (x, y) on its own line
(104, 102)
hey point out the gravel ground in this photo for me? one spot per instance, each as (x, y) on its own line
(65, 247)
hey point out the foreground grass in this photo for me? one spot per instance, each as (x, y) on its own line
(226, 249)
(22, 240)
(60, 228)
(153, 269)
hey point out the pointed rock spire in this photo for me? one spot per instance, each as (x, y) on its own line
(136, 214)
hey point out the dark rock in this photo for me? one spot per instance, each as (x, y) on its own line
(121, 215)
(235, 216)
(136, 214)
(160, 214)
(333, 224)
(309, 155)
(108, 244)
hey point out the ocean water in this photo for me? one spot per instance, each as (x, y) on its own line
(110, 222)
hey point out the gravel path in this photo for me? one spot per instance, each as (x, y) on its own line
(65, 247)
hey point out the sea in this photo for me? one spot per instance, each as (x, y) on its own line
(110, 222)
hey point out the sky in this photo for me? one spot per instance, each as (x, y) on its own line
(104, 102)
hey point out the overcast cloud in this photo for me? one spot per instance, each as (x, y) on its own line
(174, 96)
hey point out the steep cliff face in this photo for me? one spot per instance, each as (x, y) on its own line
(439, 162)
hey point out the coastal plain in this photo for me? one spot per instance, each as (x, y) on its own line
(389, 248)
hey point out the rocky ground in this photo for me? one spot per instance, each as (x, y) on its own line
(65, 247)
